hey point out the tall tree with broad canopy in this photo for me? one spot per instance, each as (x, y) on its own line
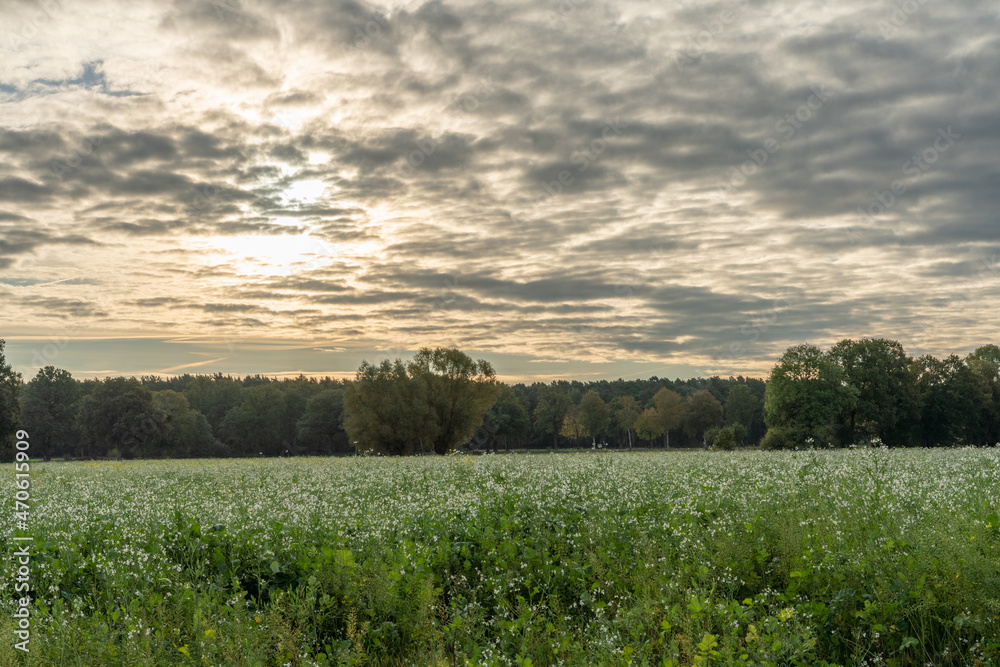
(887, 403)
(319, 430)
(551, 410)
(572, 425)
(984, 364)
(185, 432)
(119, 415)
(386, 412)
(506, 420)
(670, 410)
(807, 394)
(950, 399)
(741, 406)
(649, 425)
(703, 412)
(595, 415)
(627, 411)
(253, 426)
(459, 391)
(433, 404)
(48, 411)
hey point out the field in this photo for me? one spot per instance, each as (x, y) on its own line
(797, 558)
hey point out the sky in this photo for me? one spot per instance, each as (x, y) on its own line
(568, 189)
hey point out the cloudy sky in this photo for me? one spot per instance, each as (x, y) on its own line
(567, 188)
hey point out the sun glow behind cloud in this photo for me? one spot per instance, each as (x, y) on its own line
(255, 255)
(263, 167)
(305, 191)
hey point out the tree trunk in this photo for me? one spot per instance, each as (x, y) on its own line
(629, 431)
(666, 439)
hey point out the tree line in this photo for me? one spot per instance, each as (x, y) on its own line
(442, 400)
(871, 391)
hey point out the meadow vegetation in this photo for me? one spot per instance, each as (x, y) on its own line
(864, 557)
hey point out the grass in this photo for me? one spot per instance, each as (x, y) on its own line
(864, 557)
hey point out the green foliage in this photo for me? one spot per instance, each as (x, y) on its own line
(951, 402)
(887, 401)
(626, 413)
(458, 390)
(595, 415)
(726, 438)
(861, 390)
(808, 392)
(780, 437)
(185, 432)
(48, 411)
(671, 411)
(507, 420)
(551, 410)
(10, 408)
(984, 365)
(703, 412)
(253, 426)
(649, 425)
(433, 405)
(572, 425)
(741, 406)
(319, 429)
(870, 556)
(213, 396)
(385, 412)
(118, 418)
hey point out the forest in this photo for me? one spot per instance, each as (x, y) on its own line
(866, 391)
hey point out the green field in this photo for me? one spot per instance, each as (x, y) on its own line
(671, 558)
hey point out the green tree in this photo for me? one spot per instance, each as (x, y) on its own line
(984, 364)
(319, 430)
(671, 410)
(726, 438)
(48, 411)
(386, 413)
(10, 407)
(433, 404)
(551, 410)
(119, 418)
(572, 424)
(887, 399)
(459, 391)
(741, 406)
(595, 415)
(296, 394)
(506, 420)
(627, 411)
(185, 432)
(950, 401)
(253, 425)
(213, 396)
(807, 395)
(649, 425)
(703, 412)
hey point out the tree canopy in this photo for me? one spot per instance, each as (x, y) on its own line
(433, 404)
